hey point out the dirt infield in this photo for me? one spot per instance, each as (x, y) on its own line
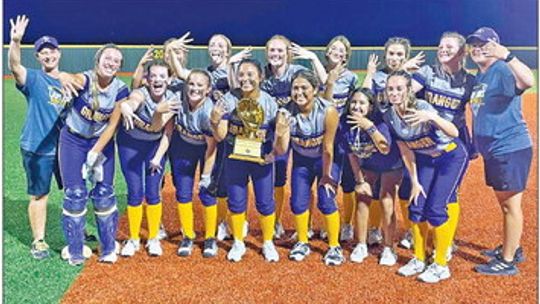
(168, 279)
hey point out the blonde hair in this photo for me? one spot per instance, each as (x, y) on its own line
(461, 42)
(411, 96)
(345, 42)
(287, 45)
(400, 41)
(227, 41)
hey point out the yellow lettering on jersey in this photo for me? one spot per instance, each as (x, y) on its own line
(442, 101)
(308, 143)
(186, 133)
(421, 143)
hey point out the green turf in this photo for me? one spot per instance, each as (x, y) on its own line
(25, 279)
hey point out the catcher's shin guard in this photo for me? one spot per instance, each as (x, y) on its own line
(73, 220)
(106, 212)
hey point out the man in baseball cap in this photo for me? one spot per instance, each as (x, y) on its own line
(483, 35)
(45, 41)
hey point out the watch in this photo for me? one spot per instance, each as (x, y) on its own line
(509, 57)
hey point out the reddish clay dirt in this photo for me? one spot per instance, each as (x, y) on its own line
(171, 279)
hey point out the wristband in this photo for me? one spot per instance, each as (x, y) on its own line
(509, 57)
(371, 130)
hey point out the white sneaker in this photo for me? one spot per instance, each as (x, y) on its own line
(323, 234)
(162, 233)
(110, 258)
(210, 248)
(130, 247)
(359, 253)
(407, 241)
(154, 247)
(185, 247)
(347, 233)
(269, 251)
(388, 257)
(223, 231)
(278, 230)
(237, 251)
(65, 255)
(413, 267)
(334, 256)
(434, 273)
(299, 252)
(374, 237)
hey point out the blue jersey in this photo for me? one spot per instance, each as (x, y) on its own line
(343, 87)
(423, 138)
(498, 124)
(307, 131)
(143, 128)
(192, 126)
(236, 127)
(89, 118)
(447, 93)
(280, 88)
(176, 85)
(44, 116)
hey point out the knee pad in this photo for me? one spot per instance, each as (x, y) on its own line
(75, 200)
(103, 198)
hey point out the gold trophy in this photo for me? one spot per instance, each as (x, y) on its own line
(247, 145)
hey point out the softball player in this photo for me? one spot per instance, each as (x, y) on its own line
(226, 124)
(503, 139)
(137, 144)
(447, 86)
(85, 121)
(313, 129)
(435, 158)
(366, 144)
(192, 144)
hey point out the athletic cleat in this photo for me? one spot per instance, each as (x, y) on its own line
(519, 257)
(154, 247)
(413, 267)
(299, 252)
(39, 250)
(434, 273)
(497, 266)
(323, 234)
(334, 256)
(347, 233)
(223, 231)
(110, 258)
(359, 253)
(269, 251)
(407, 241)
(237, 251)
(65, 255)
(210, 248)
(388, 257)
(130, 247)
(185, 247)
(162, 233)
(279, 232)
(374, 237)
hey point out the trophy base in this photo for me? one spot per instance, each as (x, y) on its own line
(248, 158)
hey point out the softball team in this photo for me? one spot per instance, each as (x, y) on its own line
(405, 116)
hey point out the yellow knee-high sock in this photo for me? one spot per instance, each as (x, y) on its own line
(349, 206)
(279, 197)
(237, 223)
(185, 213)
(222, 209)
(375, 214)
(267, 226)
(134, 218)
(404, 204)
(210, 221)
(153, 216)
(420, 233)
(332, 224)
(454, 210)
(301, 221)
(443, 240)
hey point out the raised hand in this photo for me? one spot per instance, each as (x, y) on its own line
(496, 50)
(18, 28)
(334, 73)
(282, 123)
(147, 57)
(414, 63)
(129, 116)
(171, 105)
(70, 86)
(218, 111)
(357, 120)
(243, 54)
(415, 117)
(373, 63)
(302, 53)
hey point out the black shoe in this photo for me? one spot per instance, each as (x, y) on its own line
(210, 248)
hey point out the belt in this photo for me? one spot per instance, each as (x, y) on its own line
(70, 130)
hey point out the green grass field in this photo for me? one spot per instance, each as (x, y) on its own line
(27, 280)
